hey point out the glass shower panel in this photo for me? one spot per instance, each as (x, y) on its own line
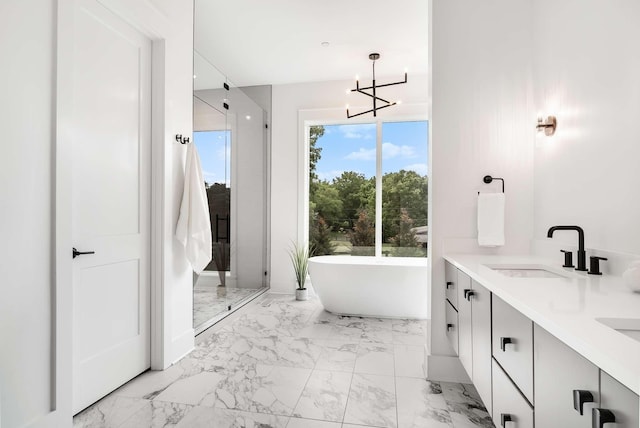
(212, 138)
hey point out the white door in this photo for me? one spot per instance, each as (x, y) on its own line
(111, 199)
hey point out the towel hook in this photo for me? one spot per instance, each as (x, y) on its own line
(182, 140)
(488, 179)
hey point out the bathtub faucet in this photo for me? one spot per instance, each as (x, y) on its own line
(582, 255)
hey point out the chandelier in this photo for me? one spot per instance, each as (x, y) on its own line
(376, 99)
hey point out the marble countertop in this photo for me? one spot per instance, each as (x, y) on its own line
(568, 308)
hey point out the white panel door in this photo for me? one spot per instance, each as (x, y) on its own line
(111, 198)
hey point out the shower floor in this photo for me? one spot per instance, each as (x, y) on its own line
(207, 304)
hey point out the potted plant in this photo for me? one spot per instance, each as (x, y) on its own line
(300, 259)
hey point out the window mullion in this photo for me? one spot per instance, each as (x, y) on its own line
(378, 188)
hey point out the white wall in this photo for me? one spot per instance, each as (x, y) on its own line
(286, 184)
(587, 73)
(482, 123)
(26, 220)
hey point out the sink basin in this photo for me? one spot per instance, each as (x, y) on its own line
(526, 271)
(628, 326)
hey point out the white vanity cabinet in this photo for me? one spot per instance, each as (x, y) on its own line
(469, 328)
(451, 283)
(525, 375)
(510, 408)
(620, 401)
(451, 317)
(481, 341)
(465, 342)
(512, 345)
(566, 384)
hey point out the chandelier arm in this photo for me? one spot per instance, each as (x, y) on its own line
(374, 96)
(368, 111)
(389, 84)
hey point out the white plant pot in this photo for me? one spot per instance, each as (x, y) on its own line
(302, 294)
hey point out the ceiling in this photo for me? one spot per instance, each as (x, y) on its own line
(258, 42)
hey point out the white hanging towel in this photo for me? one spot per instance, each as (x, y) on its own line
(194, 224)
(491, 219)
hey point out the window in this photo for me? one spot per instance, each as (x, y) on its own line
(368, 189)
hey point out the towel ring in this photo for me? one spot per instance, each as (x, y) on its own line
(488, 179)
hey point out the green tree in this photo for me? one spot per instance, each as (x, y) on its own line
(315, 153)
(320, 237)
(403, 189)
(405, 236)
(363, 233)
(356, 193)
(327, 203)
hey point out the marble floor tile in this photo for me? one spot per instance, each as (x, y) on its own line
(193, 389)
(110, 412)
(375, 358)
(465, 406)
(315, 331)
(356, 426)
(211, 417)
(268, 389)
(325, 396)
(409, 361)
(151, 383)
(337, 355)
(157, 414)
(421, 404)
(408, 339)
(414, 327)
(279, 363)
(309, 423)
(372, 401)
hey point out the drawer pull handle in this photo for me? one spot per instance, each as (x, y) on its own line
(504, 341)
(449, 284)
(468, 293)
(450, 327)
(599, 417)
(579, 398)
(504, 418)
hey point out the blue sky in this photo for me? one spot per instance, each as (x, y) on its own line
(211, 148)
(353, 148)
(345, 148)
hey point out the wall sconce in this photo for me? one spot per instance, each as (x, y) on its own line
(548, 125)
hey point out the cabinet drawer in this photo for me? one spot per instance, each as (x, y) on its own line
(451, 316)
(620, 400)
(559, 371)
(512, 345)
(451, 283)
(510, 408)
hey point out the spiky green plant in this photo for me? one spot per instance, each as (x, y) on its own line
(300, 259)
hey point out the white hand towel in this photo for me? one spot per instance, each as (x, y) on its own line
(491, 219)
(194, 224)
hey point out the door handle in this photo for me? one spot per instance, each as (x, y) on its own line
(449, 284)
(450, 327)
(599, 417)
(579, 398)
(77, 253)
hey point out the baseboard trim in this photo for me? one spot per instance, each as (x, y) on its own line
(446, 368)
(182, 345)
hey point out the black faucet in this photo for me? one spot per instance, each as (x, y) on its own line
(582, 255)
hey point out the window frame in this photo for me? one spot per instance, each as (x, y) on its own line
(325, 117)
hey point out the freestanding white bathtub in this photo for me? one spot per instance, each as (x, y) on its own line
(387, 287)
